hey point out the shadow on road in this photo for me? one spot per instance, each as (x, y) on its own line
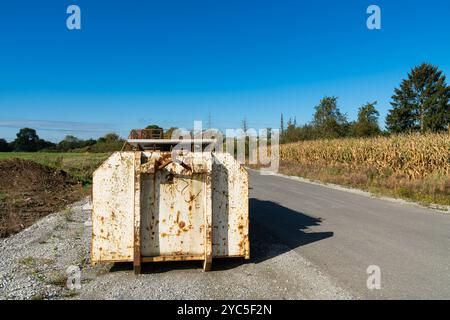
(274, 230)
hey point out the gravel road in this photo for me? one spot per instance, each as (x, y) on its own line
(33, 265)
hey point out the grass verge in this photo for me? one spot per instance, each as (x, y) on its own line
(431, 189)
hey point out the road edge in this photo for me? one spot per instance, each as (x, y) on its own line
(443, 209)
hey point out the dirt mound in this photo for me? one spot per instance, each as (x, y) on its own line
(30, 191)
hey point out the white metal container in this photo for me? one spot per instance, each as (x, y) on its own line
(148, 207)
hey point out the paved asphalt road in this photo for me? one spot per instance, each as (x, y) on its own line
(343, 233)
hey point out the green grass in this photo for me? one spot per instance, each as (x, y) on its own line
(68, 214)
(32, 262)
(38, 296)
(71, 294)
(79, 165)
(28, 261)
(57, 278)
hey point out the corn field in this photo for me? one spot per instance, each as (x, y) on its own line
(414, 156)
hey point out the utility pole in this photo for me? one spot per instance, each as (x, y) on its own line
(244, 124)
(209, 121)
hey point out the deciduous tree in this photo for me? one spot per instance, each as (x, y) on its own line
(328, 119)
(367, 123)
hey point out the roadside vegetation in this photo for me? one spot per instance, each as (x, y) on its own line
(409, 159)
(409, 166)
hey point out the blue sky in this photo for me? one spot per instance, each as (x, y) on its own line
(172, 62)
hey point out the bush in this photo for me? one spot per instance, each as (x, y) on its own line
(4, 146)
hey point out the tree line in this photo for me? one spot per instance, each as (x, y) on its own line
(420, 104)
(27, 140)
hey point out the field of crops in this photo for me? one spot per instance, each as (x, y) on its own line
(413, 155)
(409, 166)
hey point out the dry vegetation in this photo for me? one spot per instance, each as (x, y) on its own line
(415, 167)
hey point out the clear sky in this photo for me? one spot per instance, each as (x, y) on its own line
(170, 62)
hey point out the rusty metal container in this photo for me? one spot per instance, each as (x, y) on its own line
(147, 207)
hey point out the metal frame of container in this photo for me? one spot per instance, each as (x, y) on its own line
(149, 207)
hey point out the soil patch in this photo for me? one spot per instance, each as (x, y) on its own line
(30, 191)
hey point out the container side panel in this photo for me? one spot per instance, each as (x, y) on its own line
(230, 207)
(113, 207)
